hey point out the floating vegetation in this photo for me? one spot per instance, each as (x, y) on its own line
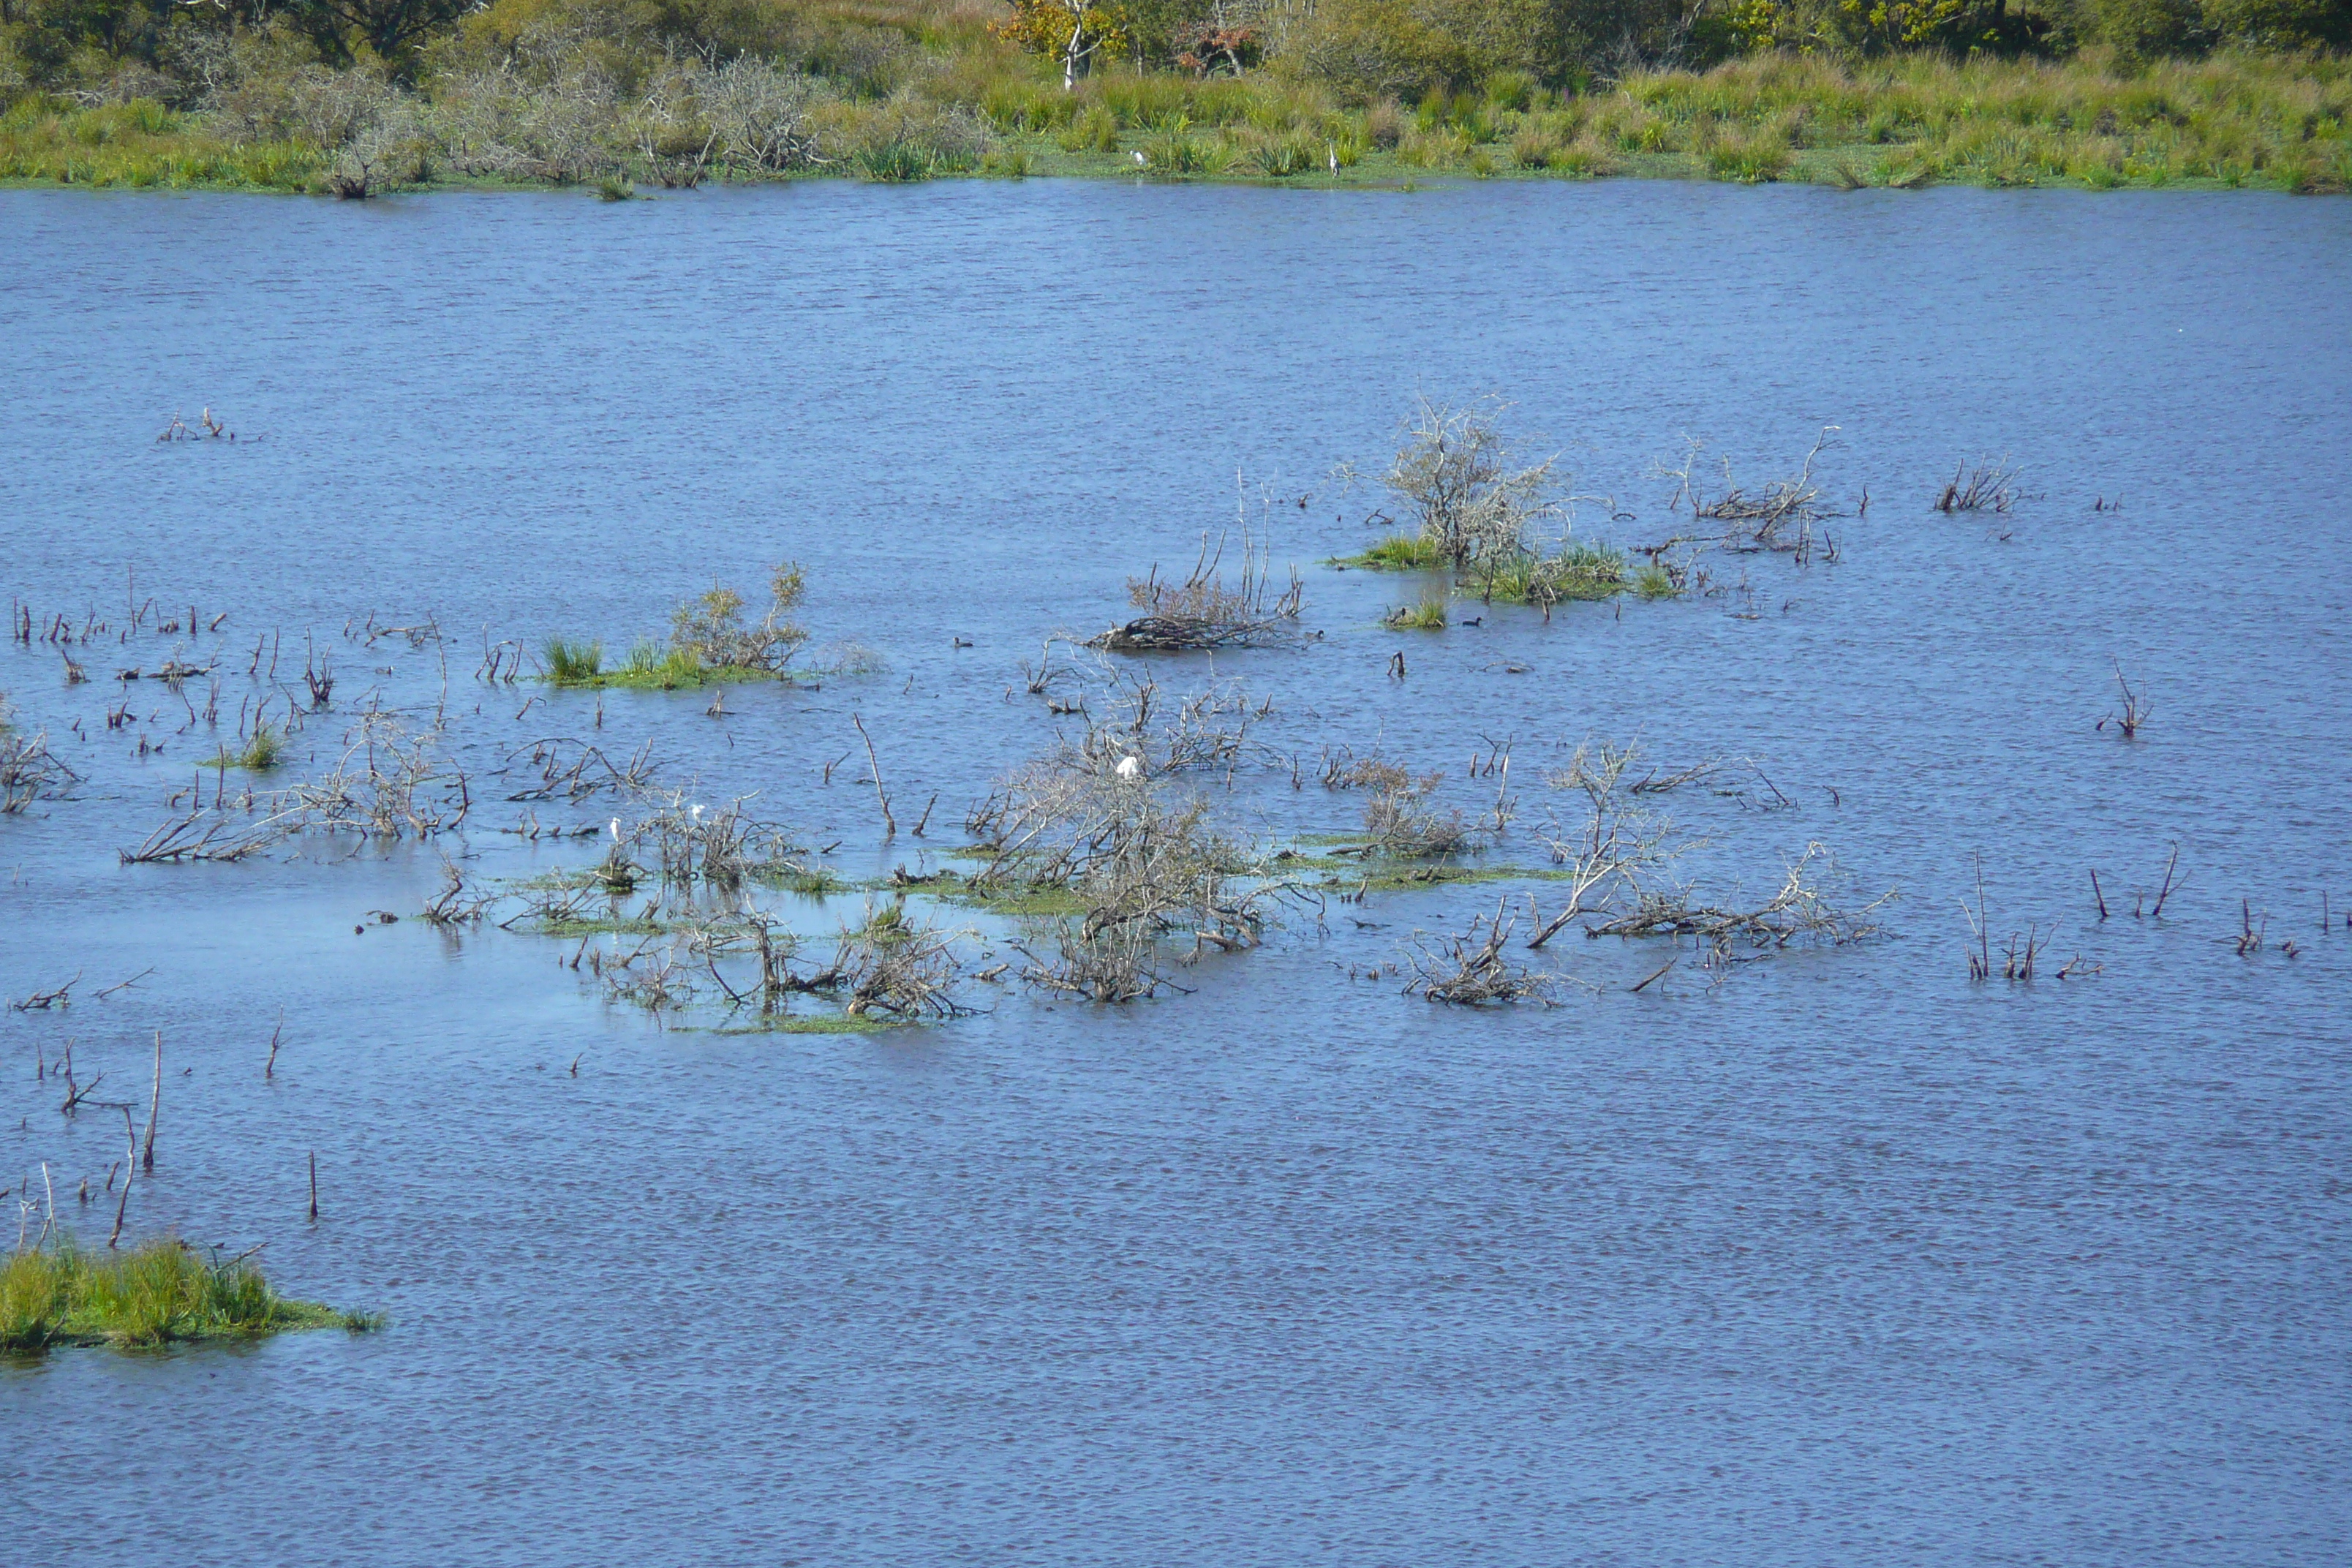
(56, 1294)
(1401, 552)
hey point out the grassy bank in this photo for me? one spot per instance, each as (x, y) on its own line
(2095, 122)
(157, 1294)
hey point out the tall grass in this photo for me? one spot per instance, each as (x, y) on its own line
(573, 663)
(1402, 553)
(154, 1294)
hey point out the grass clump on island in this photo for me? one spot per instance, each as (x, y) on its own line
(159, 1293)
(710, 640)
(357, 97)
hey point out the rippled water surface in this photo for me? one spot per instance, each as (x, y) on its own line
(1836, 1257)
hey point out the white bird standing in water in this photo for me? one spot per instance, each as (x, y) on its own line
(1129, 767)
(1332, 153)
(616, 830)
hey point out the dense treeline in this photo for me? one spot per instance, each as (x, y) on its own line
(357, 95)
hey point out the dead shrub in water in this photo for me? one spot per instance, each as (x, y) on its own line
(1136, 862)
(1201, 612)
(1455, 474)
(1618, 841)
(1779, 517)
(29, 770)
(1803, 912)
(1469, 970)
(1987, 487)
(575, 770)
(718, 846)
(389, 783)
(1403, 825)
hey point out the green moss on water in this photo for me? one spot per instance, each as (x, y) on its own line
(811, 1024)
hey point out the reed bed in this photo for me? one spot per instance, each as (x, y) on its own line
(161, 1292)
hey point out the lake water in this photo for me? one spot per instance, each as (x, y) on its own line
(1836, 1258)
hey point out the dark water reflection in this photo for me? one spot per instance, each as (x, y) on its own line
(1841, 1260)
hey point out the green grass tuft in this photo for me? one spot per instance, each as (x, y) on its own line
(895, 162)
(159, 1293)
(1429, 616)
(1401, 552)
(263, 749)
(573, 663)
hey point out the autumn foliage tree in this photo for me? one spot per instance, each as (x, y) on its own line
(1072, 31)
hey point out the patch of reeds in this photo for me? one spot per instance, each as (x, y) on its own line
(1402, 553)
(1428, 615)
(573, 663)
(159, 1293)
(263, 749)
(1578, 570)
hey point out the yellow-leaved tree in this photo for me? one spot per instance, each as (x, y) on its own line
(1072, 31)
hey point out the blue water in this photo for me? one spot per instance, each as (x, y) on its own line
(1837, 1256)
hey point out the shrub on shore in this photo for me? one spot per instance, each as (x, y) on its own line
(590, 93)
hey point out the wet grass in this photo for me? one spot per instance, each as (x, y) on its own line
(156, 1294)
(263, 749)
(1579, 572)
(619, 926)
(1429, 616)
(1399, 553)
(649, 667)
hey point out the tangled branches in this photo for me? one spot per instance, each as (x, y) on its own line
(574, 770)
(1779, 517)
(1200, 611)
(388, 783)
(1399, 820)
(1618, 841)
(1802, 913)
(1987, 487)
(720, 848)
(1134, 862)
(29, 770)
(1470, 970)
(1455, 473)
